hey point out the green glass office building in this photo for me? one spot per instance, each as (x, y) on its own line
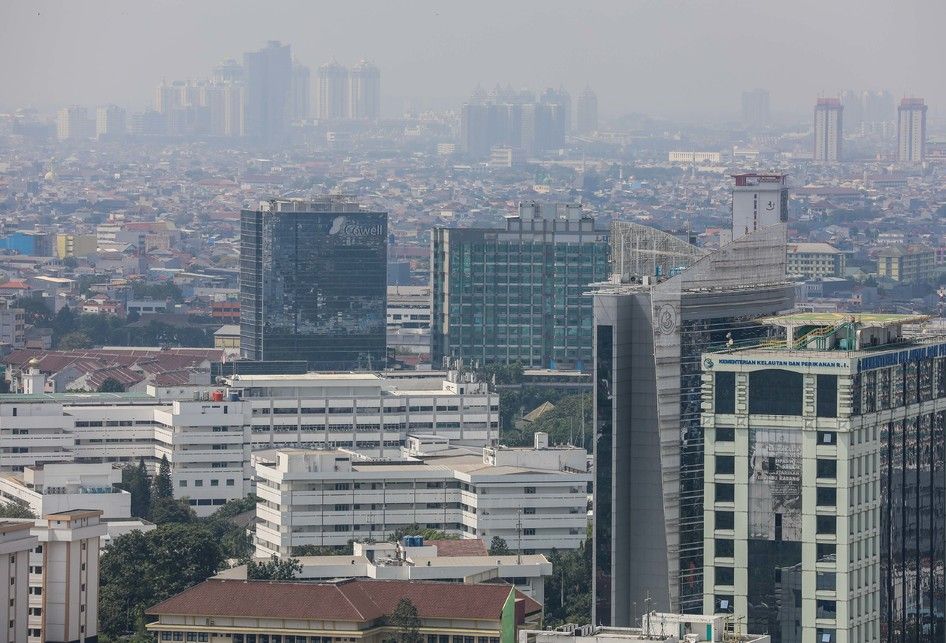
(518, 294)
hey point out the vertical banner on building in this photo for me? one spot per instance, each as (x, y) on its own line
(507, 622)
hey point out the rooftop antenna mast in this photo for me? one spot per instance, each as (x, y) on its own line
(519, 536)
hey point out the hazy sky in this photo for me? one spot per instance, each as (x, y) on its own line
(669, 57)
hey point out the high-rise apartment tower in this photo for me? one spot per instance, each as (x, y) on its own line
(911, 130)
(828, 129)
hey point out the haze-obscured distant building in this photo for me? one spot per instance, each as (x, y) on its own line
(333, 91)
(110, 122)
(587, 112)
(694, 157)
(828, 129)
(364, 100)
(313, 283)
(300, 103)
(911, 130)
(73, 124)
(755, 108)
(508, 118)
(268, 82)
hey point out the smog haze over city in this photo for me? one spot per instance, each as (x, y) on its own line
(486, 322)
(659, 57)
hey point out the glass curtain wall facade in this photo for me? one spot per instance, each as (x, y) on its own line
(652, 548)
(313, 285)
(826, 493)
(519, 294)
(697, 336)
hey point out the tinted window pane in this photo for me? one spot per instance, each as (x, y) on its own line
(826, 525)
(725, 434)
(725, 392)
(827, 468)
(724, 576)
(775, 392)
(724, 548)
(827, 497)
(826, 553)
(825, 581)
(725, 464)
(827, 438)
(725, 492)
(725, 520)
(826, 609)
(827, 396)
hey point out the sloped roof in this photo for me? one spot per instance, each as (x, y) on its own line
(355, 600)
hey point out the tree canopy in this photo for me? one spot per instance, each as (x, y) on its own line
(140, 569)
(498, 547)
(406, 622)
(111, 385)
(16, 510)
(273, 569)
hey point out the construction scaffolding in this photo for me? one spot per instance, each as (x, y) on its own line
(638, 251)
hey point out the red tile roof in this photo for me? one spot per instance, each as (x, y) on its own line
(354, 600)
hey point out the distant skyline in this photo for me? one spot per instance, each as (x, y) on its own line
(673, 58)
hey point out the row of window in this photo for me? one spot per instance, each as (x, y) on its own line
(370, 410)
(230, 482)
(776, 391)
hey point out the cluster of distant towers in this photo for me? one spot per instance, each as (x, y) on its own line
(869, 112)
(257, 99)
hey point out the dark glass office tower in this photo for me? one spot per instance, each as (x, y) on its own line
(313, 284)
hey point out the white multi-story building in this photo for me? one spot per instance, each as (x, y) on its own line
(828, 129)
(824, 511)
(208, 441)
(694, 157)
(67, 564)
(758, 201)
(16, 543)
(535, 499)
(54, 488)
(409, 307)
(653, 626)
(53, 569)
(409, 315)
